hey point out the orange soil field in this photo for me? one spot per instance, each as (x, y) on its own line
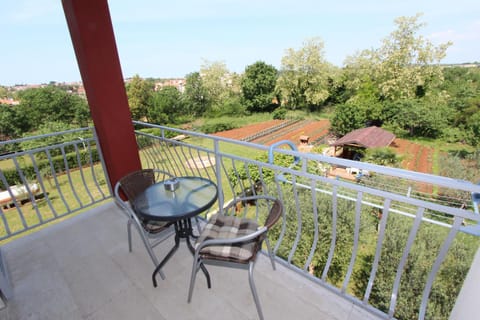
(415, 156)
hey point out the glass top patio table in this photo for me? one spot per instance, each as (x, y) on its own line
(159, 202)
(193, 196)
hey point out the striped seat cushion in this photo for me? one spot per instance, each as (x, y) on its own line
(154, 226)
(221, 227)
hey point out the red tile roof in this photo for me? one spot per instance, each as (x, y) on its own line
(371, 137)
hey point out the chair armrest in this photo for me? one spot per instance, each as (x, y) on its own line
(235, 201)
(221, 241)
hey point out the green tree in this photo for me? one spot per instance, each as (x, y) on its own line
(258, 87)
(473, 128)
(219, 84)
(195, 95)
(462, 86)
(51, 104)
(167, 106)
(139, 92)
(404, 72)
(406, 65)
(347, 117)
(418, 117)
(305, 75)
(11, 125)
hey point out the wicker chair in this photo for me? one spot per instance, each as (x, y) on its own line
(234, 241)
(152, 233)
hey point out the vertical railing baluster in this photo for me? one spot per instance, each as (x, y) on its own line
(436, 266)
(378, 251)
(315, 225)
(334, 233)
(299, 222)
(356, 236)
(69, 176)
(403, 260)
(218, 159)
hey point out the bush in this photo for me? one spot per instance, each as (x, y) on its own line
(217, 127)
(13, 178)
(279, 114)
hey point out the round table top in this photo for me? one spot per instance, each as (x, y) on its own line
(193, 196)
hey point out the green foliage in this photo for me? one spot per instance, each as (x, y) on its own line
(139, 92)
(305, 76)
(231, 106)
(420, 260)
(463, 87)
(473, 129)
(305, 221)
(50, 104)
(418, 117)
(213, 127)
(348, 117)
(463, 166)
(258, 87)
(219, 85)
(382, 156)
(10, 122)
(166, 107)
(279, 113)
(195, 95)
(144, 141)
(50, 127)
(44, 166)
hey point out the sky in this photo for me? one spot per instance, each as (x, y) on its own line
(170, 39)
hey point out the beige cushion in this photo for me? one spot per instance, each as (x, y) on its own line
(227, 227)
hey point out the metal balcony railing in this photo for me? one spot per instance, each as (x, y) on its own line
(47, 177)
(388, 241)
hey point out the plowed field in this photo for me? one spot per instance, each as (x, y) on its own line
(415, 156)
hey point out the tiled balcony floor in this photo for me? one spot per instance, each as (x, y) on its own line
(81, 269)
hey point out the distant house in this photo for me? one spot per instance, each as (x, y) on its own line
(371, 137)
(9, 101)
(177, 83)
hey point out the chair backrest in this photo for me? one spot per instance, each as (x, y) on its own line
(135, 182)
(275, 213)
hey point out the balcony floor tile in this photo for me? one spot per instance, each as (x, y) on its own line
(81, 269)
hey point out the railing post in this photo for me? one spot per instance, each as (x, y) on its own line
(466, 307)
(218, 173)
(5, 284)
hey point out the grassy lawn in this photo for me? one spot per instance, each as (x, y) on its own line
(61, 198)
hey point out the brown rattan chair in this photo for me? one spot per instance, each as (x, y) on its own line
(152, 233)
(234, 240)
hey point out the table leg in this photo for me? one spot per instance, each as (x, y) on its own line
(167, 257)
(183, 229)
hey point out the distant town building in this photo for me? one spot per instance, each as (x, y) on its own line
(177, 83)
(9, 101)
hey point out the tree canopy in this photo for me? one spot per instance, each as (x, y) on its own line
(305, 76)
(258, 87)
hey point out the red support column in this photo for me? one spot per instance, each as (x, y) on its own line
(96, 51)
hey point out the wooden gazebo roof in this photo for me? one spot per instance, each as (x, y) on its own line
(371, 137)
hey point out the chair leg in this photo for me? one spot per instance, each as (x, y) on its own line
(254, 290)
(195, 268)
(152, 255)
(270, 253)
(129, 232)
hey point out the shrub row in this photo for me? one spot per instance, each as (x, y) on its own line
(12, 176)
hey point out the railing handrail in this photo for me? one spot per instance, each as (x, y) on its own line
(46, 135)
(393, 172)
